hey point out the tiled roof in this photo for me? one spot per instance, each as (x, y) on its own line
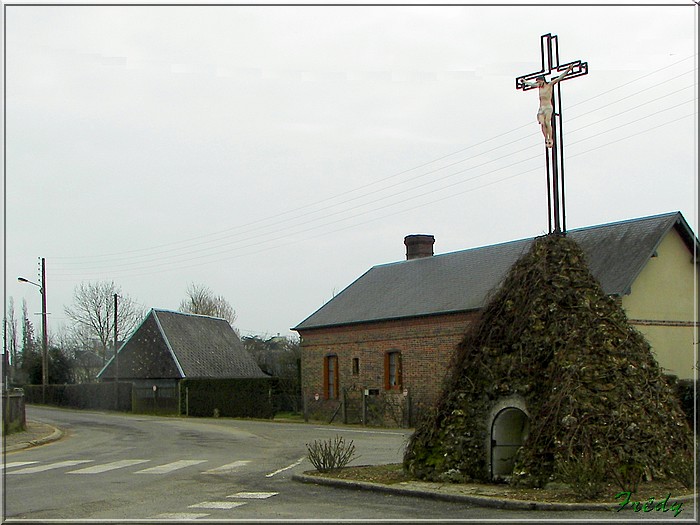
(175, 344)
(462, 280)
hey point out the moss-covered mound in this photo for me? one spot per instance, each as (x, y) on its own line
(598, 401)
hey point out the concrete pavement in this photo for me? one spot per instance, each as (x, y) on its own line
(492, 496)
(36, 434)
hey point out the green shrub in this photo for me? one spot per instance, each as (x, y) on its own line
(681, 469)
(628, 476)
(585, 475)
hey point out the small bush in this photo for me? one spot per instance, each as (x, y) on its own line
(628, 476)
(681, 469)
(584, 475)
(331, 455)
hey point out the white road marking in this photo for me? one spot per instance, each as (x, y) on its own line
(170, 467)
(180, 516)
(52, 466)
(98, 469)
(227, 468)
(285, 468)
(360, 431)
(253, 495)
(12, 464)
(216, 505)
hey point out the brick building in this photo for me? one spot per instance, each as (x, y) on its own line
(378, 351)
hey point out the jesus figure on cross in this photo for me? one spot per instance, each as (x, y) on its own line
(544, 114)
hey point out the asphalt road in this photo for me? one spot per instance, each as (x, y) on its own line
(123, 466)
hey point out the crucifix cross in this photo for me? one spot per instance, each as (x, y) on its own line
(549, 116)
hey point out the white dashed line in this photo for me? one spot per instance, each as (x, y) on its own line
(180, 516)
(253, 495)
(361, 431)
(297, 462)
(216, 505)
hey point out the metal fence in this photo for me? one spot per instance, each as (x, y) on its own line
(155, 399)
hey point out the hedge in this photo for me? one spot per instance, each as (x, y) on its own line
(228, 397)
(100, 396)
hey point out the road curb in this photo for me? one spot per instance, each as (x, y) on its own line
(481, 501)
(54, 436)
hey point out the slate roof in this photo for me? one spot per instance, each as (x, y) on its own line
(462, 280)
(177, 345)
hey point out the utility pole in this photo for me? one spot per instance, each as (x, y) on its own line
(45, 334)
(5, 360)
(116, 354)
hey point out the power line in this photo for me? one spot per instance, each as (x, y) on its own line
(153, 250)
(221, 254)
(160, 268)
(219, 247)
(325, 217)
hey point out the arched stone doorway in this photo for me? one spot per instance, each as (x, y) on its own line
(509, 430)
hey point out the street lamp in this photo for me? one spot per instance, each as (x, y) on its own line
(44, 333)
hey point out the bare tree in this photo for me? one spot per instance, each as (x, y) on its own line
(280, 357)
(78, 347)
(92, 313)
(201, 300)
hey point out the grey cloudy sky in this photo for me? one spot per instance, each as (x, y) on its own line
(274, 154)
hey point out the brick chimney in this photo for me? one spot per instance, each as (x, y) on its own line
(418, 246)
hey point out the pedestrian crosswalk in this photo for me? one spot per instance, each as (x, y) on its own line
(216, 505)
(51, 466)
(16, 464)
(114, 465)
(36, 467)
(171, 467)
(230, 467)
(193, 511)
(222, 504)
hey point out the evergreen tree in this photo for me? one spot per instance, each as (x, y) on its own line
(31, 351)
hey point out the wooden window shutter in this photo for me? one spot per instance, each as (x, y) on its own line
(387, 379)
(336, 377)
(325, 377)
(399, 370)
(330, 384)
(392, 370)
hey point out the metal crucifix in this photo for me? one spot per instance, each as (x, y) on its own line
(549, 116)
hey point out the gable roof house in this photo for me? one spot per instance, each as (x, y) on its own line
(170, 346)
(393, 331)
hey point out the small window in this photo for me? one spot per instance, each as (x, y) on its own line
(330, 377)
(355, 366)
(392, 370)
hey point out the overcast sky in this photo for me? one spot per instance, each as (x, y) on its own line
(275, 154)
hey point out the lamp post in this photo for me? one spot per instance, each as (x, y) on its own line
(44, 333)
